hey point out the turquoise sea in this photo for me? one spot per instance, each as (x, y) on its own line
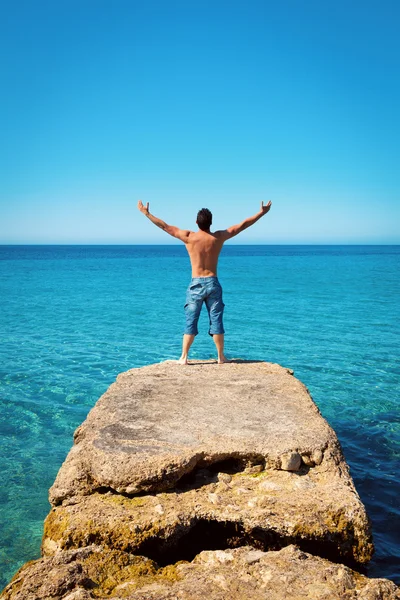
(73, 317)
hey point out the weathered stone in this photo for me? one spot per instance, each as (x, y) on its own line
(317, 456)
(74, 574)
(158, 423)
(91, 572)
(173, 461)
(314, 508)
(291, 461)
(163, 424)
(307, 460)
(254, 469)
(225, 477)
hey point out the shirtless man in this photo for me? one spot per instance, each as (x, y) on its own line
(204, 247)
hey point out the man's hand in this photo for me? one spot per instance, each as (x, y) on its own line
(265, 209)
(181, 234)
(143, 209)
(235, 229)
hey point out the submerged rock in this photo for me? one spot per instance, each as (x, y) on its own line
(191, 482)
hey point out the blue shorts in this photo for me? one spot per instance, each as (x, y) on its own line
(208, 290)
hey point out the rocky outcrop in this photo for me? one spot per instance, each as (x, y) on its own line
(233, 574)
(185, 474)
(159, 423)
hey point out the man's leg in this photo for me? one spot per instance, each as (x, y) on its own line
(187, 342)
(215, 307)
(219, 342)
(193, 306)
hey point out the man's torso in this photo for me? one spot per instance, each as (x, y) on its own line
(204, 249)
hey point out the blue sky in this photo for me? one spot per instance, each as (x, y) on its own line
(190, 104)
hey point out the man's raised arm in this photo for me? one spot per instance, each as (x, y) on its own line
(181, 234)
(226, 234)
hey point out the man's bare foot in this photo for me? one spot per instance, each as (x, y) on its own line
(222, 359)
(182, 361)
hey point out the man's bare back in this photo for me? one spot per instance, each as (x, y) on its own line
(204, 247)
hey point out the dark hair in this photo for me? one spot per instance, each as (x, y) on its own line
(204, 219)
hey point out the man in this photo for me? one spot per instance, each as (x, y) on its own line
(204, 248)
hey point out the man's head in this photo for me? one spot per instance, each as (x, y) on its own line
(204, 219)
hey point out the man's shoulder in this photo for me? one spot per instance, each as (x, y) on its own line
(221, 235)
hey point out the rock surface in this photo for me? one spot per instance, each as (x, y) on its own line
(160, 422)
(184, 482)
(238, 574)
(160, 426)
(313, 508)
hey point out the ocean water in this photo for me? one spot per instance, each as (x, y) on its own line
(73, 317)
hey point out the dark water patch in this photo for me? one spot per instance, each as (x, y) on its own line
(374, 466)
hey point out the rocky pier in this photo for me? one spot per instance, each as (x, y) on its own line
(204, 481)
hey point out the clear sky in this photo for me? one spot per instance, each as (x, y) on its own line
(190, 104)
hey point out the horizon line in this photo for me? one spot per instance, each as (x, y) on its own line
(180, 244)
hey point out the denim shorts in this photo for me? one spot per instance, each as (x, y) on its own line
(208, 290)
